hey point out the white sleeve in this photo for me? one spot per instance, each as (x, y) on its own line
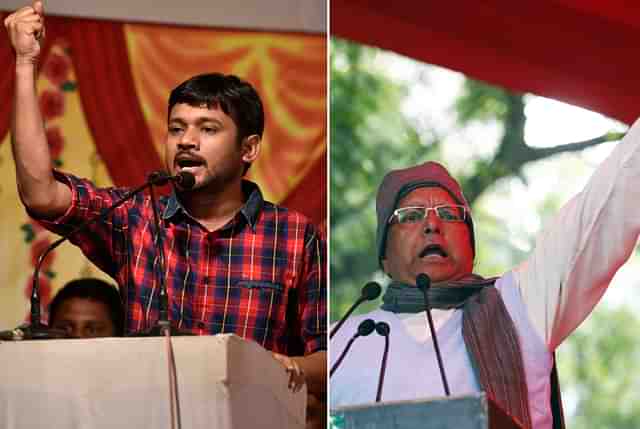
(583, 246)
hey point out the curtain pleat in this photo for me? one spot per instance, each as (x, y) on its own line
(110, 102)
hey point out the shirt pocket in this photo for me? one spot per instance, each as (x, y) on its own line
(257, 310)
(260, 285)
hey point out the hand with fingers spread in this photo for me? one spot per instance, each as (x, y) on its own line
(296, 374)
(26, 31)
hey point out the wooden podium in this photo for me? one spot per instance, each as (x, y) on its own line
(461, 412)
(223, 382)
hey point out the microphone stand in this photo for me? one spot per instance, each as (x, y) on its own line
(370, 291)
(37, 330)
(163, 324)
(383, 328)
(364, 328)
(424, 283)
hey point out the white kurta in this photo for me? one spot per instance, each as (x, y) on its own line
(547, 297)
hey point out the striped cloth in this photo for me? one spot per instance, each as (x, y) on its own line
(493, 344)
(262, 276)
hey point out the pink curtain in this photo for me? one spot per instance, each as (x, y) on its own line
(110, 102)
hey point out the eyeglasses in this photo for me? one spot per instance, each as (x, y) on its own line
(415, 214)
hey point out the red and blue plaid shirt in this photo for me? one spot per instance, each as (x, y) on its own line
(262, 276)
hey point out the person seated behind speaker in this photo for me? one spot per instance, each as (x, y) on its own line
(87, 308)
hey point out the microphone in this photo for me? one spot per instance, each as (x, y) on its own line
(12, 335)
(382, 328)
(365, 327)
(38, 330)
(423, 282)
(163, 325)
(184, 179)
(369, 292)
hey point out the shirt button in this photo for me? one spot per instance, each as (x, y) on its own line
(202, 325)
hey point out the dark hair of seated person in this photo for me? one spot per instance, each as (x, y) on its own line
(87, 308)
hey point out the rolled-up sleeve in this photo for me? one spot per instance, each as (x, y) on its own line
(99, 239)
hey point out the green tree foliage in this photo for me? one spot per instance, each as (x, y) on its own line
(370, 135)
(598, 369)
(485, 103)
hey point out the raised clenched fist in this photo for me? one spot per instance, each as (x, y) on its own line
(26, 31)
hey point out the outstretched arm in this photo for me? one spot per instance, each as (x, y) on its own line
(38, 189)
(580, 250)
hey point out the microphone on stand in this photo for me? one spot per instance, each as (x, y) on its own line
(185, 180)
(26, 332)
(163, 322)
(423, 282)
(365, 327)
(38, 330)
(369, 292)
(382, 328)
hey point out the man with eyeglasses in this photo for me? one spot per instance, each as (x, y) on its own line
(496, 335)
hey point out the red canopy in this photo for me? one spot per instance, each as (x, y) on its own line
(584, 52)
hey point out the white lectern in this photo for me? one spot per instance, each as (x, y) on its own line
(223, 382)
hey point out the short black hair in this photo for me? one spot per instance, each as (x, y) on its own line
(94, 290)
(234, 96)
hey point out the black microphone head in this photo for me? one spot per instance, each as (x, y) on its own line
(423, 282)
(371, 291)
(382, 328)
(186, 180)
(366, 327)
(158, 178)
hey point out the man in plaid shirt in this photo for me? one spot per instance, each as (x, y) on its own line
(234, 262)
